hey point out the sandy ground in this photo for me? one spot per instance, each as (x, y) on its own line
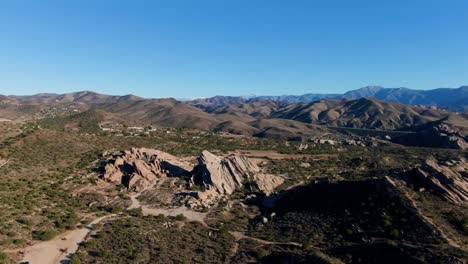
(60, 249)
(189, 214)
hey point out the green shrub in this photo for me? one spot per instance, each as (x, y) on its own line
(161, 217)
(3, 257)
(180, 217)
(75, 260)
(23, 221)
(135, 212)
(19, 241)
(44, 235)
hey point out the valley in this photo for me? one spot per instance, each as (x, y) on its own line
(132, 180)
(233, 132)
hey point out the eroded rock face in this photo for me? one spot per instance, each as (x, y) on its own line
(224, 175)
(137, 168)
(449, 179)
(449, 136)
(438, 136)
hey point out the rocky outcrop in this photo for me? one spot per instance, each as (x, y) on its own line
(139, 167)
(449, 179)
(440, 135)
(210, 180)
(452, 137)
(225, 175)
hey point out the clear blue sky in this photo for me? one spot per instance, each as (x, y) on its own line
(194, 48)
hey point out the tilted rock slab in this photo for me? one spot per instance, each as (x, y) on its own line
(449, 179)
(225, 175)
(139, 167)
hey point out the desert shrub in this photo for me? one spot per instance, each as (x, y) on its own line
(180, 217)
(135, 212)
(23, 221)
(146, 240)
(160, 217)
(75, 259)
(19, 241)
(44, 235)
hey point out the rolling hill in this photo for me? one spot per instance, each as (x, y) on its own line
(453, 99)
(262, 118)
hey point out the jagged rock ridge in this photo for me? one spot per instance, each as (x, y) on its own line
(439, 134)
(138, 167)
(449, 179)
(225, 175)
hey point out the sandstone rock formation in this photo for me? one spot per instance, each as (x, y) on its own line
(440, 135)
(452, 137)
(139, 167)
(449, 179)
(224, 175)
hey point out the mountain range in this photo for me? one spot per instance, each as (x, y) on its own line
(251, 117)
(453, 99)
(100, 152)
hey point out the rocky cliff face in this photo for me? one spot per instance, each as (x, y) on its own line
(139, 167)
(224, 175)
(449, 179)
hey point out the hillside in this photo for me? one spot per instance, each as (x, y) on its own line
(361, 113)
(452, 99)
(100, 178)
(88, 111)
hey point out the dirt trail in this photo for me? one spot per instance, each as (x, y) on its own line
(189, 214)
(240, 235)
(61, 248)
(133, 198)
(3, 162)
(428, 220)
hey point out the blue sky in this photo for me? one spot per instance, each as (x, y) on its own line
(187, 49)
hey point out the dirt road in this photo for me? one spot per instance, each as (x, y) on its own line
(61, 248)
